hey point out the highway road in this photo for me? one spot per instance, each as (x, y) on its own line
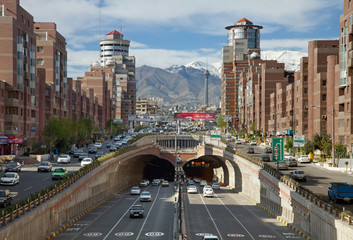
(111, 220)
(230, 215)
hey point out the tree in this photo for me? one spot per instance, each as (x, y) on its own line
(309, 147)
(220, 122)
(323, 142)
(289, 144)
(340, 151)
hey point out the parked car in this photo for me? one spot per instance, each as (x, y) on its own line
(44, 167)
(135, 190)
(298, 175)
(303, 159)
(265, 158)
(136, 211)
(145, 196)
(10, 178)
(64, 158)
(268, 150)
(86, 161)
(282, 165)
(5, 198)
(59, 173)
(13, 167)
(250, 150)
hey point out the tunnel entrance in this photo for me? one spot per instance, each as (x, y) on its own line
(199, 169)
(158, 168)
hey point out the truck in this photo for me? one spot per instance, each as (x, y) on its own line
(5, 198)
(340, 191)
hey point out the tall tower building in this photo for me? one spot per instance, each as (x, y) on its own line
(114, 44)
(205, 102)
(243, 43)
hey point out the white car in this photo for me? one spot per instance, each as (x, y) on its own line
(303, 159)
(192, 189)
(254, 143)
(135, 191)
(64, 158)
(208, 192)
(86, 161)
(145, 197)
(98, 145)
(143, 183)
(203, 183)
(10, 178)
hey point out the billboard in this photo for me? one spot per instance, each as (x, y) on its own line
(15, 139)
(195, 115)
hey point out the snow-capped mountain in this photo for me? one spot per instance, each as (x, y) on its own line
(291, 59)
(214, 69)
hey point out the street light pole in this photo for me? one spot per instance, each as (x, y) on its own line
(333, 136)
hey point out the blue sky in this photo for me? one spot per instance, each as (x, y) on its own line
(165, 32)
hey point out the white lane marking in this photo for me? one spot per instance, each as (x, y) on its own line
(148, 214)
(122, 217)
(203, 201)
(45, 179)
(235, 217)
(27, 188)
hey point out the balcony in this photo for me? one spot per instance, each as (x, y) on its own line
(11, 102)
(11, 118)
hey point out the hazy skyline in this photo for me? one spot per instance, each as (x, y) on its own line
(165, 32)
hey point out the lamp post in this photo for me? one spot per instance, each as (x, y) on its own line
(333, 132)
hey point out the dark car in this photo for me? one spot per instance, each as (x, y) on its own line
(99, 154)
(5, 198)
(72, 150)
(250, 150)
(265, 158)
(77, 153)
(44, 167)
(268, 150)
(136, 211)
(92, 150)
(82, 156)
(13, 167)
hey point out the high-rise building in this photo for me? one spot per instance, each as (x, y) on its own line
(243, 43)
(114, 44)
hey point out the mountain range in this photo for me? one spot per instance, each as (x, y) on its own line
(184, 85)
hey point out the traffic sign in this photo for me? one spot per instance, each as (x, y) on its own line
(298, 140)
(277, 149)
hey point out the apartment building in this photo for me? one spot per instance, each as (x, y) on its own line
(146, 106)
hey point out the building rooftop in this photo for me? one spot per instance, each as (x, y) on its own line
(114, 32)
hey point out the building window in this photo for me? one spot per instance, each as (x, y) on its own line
(324, 97)
(40, 62)
(40, 49)
(305, 91)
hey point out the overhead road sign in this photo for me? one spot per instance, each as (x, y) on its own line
(298, 140)
(195, 115)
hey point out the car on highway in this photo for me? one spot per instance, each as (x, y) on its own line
(82, 156)
(298, 175)
(282, 165)
(197, 180)
(156, 182)
(291, 161)
(13, 167)
(303, 159)
(203, 183)
(99, 154)
(143, 183)
(77, 153)
(5, 198)
(145, 196)
(268, 150)
(238, 141)
(113, 148)
(208, 192)
(216, 186)
(165, 183)
(136, 211)
(135, 190)
(86, 161)
(250, 150)
(45, 166)
(92, 150)
(98, 145)
(253, 143)
(265, 158)
(72, 149)
(59, 173)
(10, 178)
(192, 189)
(64, 158)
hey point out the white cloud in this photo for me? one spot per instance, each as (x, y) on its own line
(284, 44)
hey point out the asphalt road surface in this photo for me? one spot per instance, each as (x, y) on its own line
(230, 216)
(111, 220)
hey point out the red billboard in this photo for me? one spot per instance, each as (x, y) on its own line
(15, 139)
(195, 115)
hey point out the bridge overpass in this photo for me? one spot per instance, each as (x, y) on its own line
(155, 156)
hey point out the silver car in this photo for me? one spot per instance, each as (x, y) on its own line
(135, 191)
(44, 167)
(145, 197)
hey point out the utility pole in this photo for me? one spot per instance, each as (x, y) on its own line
(333, 136)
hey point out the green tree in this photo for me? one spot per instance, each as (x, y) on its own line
(220, 122)
(309, 147)
(289, 144)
